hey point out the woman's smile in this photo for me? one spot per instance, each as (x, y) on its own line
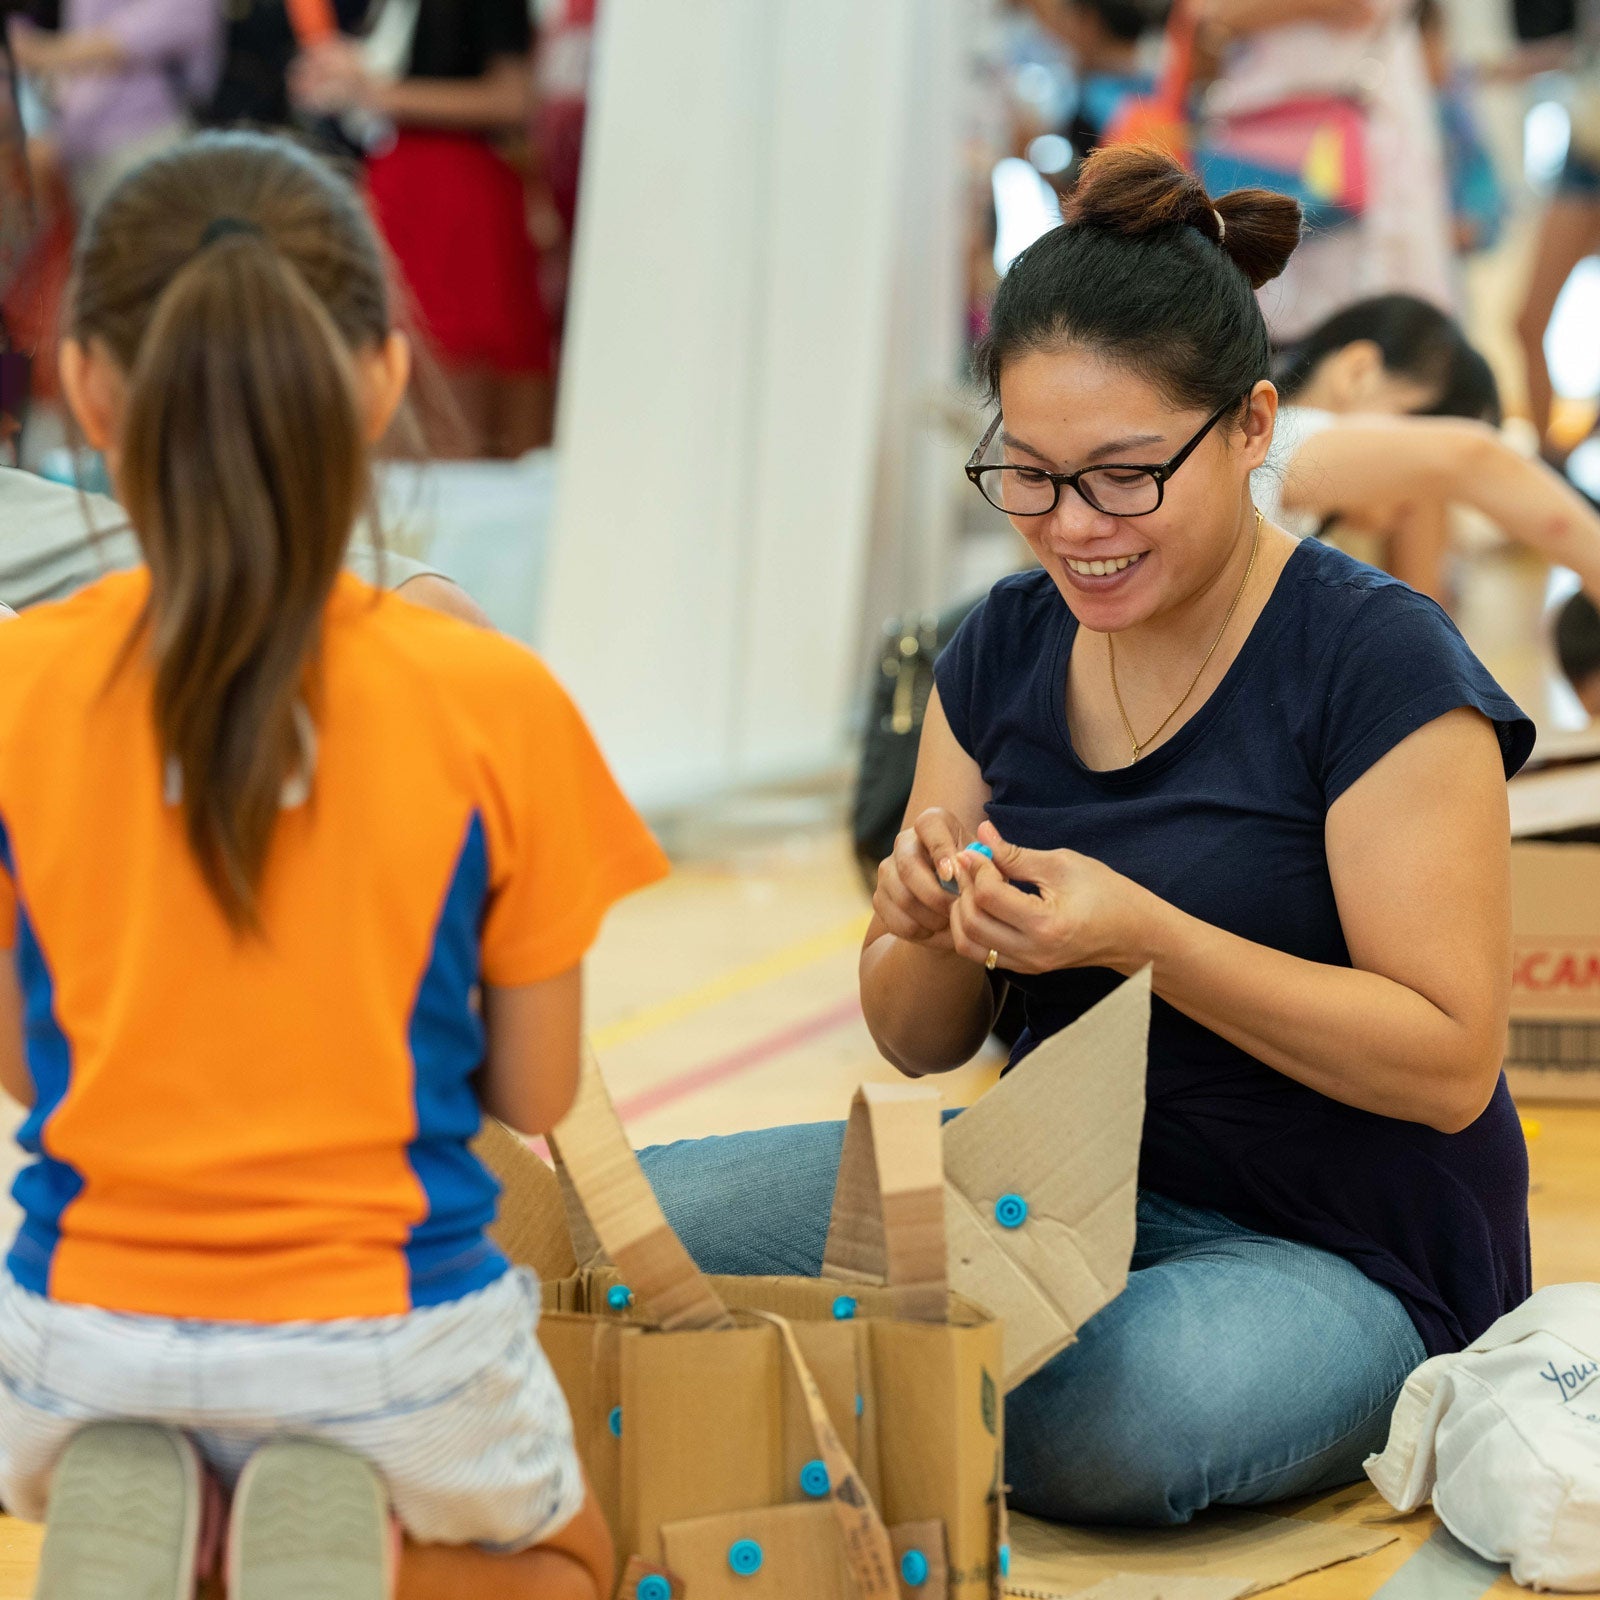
(1096, 575)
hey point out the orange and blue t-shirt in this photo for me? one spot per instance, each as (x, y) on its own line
(275, 1128)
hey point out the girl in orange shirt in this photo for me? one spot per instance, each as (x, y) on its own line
(297, 875)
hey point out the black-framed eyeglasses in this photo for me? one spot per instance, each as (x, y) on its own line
(1119, 489)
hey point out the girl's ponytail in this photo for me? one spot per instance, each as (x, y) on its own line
(243, 469)
(244, 462)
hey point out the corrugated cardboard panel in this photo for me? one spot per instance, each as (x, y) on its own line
(1061, 1131)
(833, 1352)
(531, 1224)
(1553, 1046)
(587, 1355)
(1050, 1562)
(940, 1437)
(801, 1555)
(702, 1428)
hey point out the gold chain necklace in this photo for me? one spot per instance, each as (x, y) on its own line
(1111, 651)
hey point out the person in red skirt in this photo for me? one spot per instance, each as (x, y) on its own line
(433, 89)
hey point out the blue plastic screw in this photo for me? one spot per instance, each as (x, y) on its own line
(745, 1557)
(614, 1421)
(1011, 1211)
(861, 1405)
(1005, 1561)
(619, 1297)
(844, 1308)
(914, 1568)
(979, 849)
(814, 1479)
(653, 1587)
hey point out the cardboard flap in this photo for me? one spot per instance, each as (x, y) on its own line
(924, 1539)
(588, 1250)
(626, 1216)
(888, 1205)
(1061, 1133)
(530, 1226)
(797, 1547)
(1248, 1550)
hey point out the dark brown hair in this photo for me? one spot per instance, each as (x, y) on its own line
(232, 278)
(1151, 271)
(1416, 340)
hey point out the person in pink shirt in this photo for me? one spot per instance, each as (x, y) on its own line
(1370, 50)
(121, 75)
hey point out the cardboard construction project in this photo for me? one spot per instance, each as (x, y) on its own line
(749, 1438)
(1060, 1133)
(1553, 1048)
(704, 1440)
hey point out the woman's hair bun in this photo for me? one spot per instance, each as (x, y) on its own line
(1137, 189)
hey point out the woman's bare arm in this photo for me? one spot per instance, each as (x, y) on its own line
(501, 98)
(1370, 468)
(1419, 851)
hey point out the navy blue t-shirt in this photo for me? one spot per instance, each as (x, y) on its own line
(1226, 821)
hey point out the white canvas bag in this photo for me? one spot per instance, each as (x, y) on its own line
(1505, 1438)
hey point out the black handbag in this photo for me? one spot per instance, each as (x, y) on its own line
(897, 702)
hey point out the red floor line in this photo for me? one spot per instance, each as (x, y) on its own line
(738, 1061)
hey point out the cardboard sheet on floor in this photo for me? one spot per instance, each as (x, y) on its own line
(1221, 1555)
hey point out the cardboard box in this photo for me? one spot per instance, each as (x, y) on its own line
(1553, 1045)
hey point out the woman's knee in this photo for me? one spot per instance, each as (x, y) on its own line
(1088, 1468)
(751, 1204)
(1247, 1373)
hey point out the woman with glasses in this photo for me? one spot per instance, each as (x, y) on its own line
(1271, 774)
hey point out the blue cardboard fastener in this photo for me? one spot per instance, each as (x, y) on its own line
(745, 1557)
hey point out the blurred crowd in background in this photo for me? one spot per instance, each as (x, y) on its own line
(1367, 111)
(467, 117)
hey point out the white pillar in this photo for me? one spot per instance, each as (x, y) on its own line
(724, 378)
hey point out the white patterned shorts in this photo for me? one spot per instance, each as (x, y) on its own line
(455, 1404)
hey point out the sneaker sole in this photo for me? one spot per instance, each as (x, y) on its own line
(124, 1516)
(310, 1522)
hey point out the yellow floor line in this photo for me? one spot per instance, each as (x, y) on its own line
(780, 964)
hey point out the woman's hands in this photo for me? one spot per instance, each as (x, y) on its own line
(911, 900)
(934, 891)
(1083, 915)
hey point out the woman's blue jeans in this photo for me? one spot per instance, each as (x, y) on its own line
(1235, 1368)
